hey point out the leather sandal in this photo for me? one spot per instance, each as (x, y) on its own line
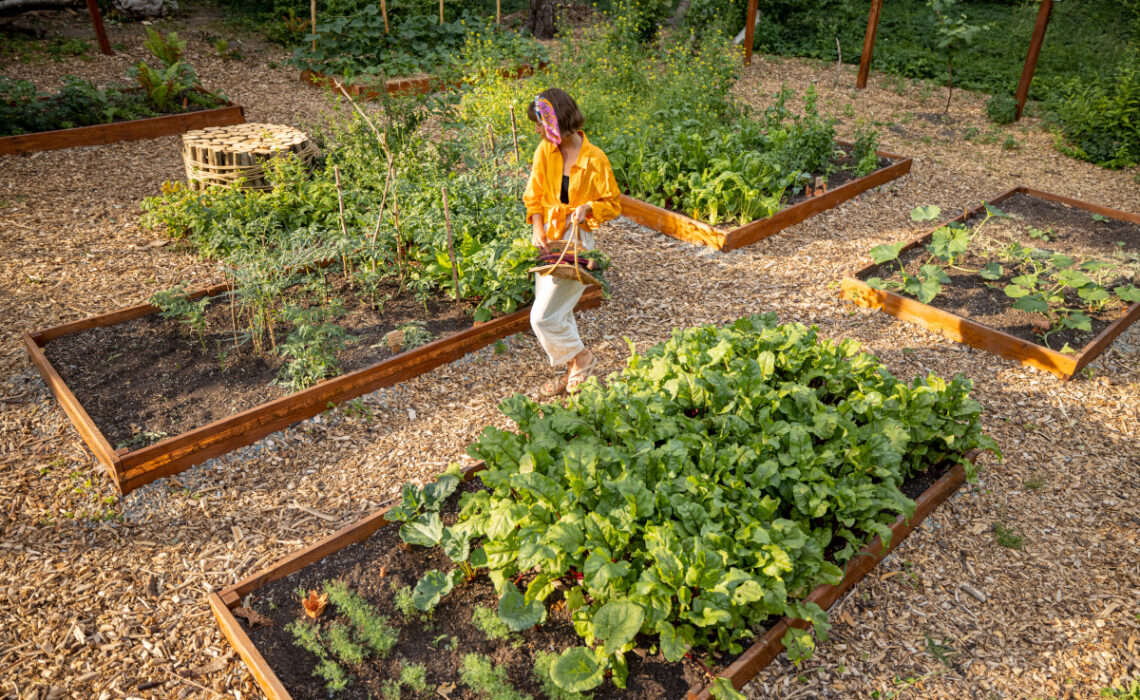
(576, 377)
(554, 387)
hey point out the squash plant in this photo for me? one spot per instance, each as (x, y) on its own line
(707, 488)
(1060, 289)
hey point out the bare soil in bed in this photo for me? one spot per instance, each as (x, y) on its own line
(1068, 230)
(151, 378)
(382, 564)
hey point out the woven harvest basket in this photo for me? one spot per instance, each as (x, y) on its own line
(235, 155)
(565, 269)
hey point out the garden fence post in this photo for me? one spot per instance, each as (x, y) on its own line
(868, 44)
(313, 15)
(1034, 52)
(514, 134)
(450, 245)
(749, 31)
(100, 32)
(384, 13)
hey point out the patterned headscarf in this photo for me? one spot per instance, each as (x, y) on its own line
(549, 119)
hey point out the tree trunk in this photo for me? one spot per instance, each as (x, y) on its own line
(541, 19)
(15, 7)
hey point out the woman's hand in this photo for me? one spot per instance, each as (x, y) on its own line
(538, 238)
(582, 213)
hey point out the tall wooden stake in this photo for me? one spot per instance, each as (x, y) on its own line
(499, 12)
(100, 32)
(441, 11)
(514, 134)
(384, 13)
(313, 14)
(868, 44)
(450, 245)
(491, 140)
(1034, 52)
(749, 31)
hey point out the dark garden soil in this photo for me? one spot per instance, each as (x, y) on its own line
(151, 378)
(377, 567)
(1070, 231)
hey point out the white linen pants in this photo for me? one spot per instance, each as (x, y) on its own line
(552, 315)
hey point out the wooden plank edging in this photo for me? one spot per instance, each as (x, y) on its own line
(964, 330)
(690, 230)
(751, 662)
(132, 130)
(132, 469)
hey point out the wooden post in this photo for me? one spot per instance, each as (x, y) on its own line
(450, 245)
(441, 11)
(868, 44)
(384, 13)
(749, 31)
(100, 32)
(514, 134)
(491, 140)
(1034, 51)
(499, 12)
(313, 14)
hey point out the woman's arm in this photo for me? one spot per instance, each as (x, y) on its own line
(538, 234)
(607, 203)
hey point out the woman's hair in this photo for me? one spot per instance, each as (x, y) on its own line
(570, 118)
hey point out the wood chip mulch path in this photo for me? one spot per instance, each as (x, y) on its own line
(106, 599)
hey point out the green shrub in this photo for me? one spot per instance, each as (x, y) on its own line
(1099, 120)
(1001, 109)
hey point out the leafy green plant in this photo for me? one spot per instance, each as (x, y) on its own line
(168, 49)
(487, 621)
(1001, 109)
(403, 602)
(1126, 691)
(543, 662)
(415, 334)
(954, 34)
(414, 676)
(306, 636)
(686, 500)
(369, 627)
(488, 680)
(176, 304)
(311, 346)
(1099, 119)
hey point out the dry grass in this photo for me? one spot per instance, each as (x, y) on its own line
(116, 607)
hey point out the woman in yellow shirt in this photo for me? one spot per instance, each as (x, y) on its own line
(571, 181)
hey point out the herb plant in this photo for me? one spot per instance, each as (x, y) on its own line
(700, 492)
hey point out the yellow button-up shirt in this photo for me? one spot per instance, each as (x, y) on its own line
(591, 182)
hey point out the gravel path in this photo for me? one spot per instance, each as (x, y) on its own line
(106, 599)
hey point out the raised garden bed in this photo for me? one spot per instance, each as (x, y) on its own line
(354, 546)
(131, 468)
(1058, 224)
(691, 230)
(133, 130)
(411, 85)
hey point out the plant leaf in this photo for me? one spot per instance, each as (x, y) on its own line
(886, 252)
(577, 670)
(517, 613)
(424, 530)
(925, 213)
(617, 622)
(991, 271)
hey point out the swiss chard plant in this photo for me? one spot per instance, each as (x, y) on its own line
(704, 490)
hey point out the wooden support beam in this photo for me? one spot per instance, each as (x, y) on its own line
(749, 31)
(1034, 51)
(868, 44)
(100, 32)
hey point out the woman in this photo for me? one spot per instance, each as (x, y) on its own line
(570, 182)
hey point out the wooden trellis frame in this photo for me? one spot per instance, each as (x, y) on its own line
(1043, 15)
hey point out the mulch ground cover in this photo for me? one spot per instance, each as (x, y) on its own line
(106, 598)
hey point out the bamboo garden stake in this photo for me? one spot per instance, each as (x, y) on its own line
(441, 11)
(514, 134)
(491, 140)
(450, 245)
(384, 13)
(499, 12)
(313, 13)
